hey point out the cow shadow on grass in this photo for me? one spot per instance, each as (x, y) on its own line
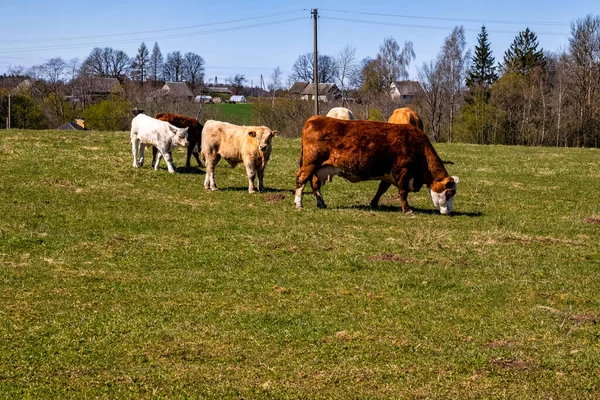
(190, 170)
(245, 189)
(398, 209)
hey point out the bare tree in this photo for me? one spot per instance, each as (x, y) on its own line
(139, 65)
(346, 61)
(392, 62)
(236, 82)
(106, 62)
(584, 68)
(275, 84)
(173, 67)
(303, 68)
(454, 61)
(431, 98)
(193, 69)
(155, 65)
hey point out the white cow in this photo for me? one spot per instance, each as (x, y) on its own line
(149, 131)
(248, 144)
(341, 113)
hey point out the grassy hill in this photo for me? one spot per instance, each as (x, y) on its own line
(118, 282)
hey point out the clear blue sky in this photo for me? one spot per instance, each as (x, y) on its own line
(254, 37)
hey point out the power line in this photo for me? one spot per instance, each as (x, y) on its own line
(189, 34)
(479, 20)
(150, 31)
(431, 26)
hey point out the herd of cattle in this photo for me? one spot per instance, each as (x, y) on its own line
(396, 152)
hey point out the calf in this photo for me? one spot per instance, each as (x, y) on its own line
(146, 130)
(248, 144)
(399, 155)
(194, 134)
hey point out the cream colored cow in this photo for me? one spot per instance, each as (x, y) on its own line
(341, 113)
(250, 145)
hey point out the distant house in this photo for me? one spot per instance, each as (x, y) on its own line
(306, 91)
(23, 87)
(173, 91)
(216, 90)
(203, 99)
(404, 90)
(77, 125)
(94, 88)
(238, 99)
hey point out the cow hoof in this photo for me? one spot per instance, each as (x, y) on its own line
(299, 207)
(408, 211)
(253, 191)
(322, 205)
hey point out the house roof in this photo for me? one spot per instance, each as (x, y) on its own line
(406, 88)
(99, 85)
(71, 126)
(237, 98)
(217, 90)
(324, 89)
(297, 87)
(24, 86)
(177, 89)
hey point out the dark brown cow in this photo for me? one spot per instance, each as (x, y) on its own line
(399, 155)
(194, 134)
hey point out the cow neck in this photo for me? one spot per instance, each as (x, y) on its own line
(435, 167)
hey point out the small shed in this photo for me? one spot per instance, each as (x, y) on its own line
(238, 99)
(174, 91)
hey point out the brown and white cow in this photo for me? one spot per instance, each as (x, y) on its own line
(399, 155)
(250, 145)
(341, 113)
(194, 134)
(406, 115)
(146, 130)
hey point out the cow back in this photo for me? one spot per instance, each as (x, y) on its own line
(182, 121)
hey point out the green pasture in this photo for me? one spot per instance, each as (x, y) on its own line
(118, 282)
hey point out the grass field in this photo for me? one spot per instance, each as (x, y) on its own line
(240, 113)
(118, 282)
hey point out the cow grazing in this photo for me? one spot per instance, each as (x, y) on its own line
(341, 113)
(406, 115)
(146, 130)
(399, 155)
(194, 134)
(248, 144)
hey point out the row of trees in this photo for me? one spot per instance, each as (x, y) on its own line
(532, 97)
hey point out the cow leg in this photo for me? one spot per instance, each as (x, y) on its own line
(305, 172)
(169, 160)
(315, 183)
(403, 188)
(135, 143)
(142, 148)
(383, 187)
(190, 149)
(260, 173)
(209, 178)
(157, 163)
(251, 172)
(154, 154)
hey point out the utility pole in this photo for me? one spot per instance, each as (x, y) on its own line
(8, 120)
(315, 62)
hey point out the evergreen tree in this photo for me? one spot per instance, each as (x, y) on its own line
(523, 54)
(483, 71)
(139, 66)
(155, 65)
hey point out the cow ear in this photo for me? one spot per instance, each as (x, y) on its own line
(275, 133)
(251, 133)
(455, 179)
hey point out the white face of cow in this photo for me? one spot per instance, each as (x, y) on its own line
(180, 136)
(442, 194)
(263, 136)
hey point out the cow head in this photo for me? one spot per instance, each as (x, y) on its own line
(180, 135)
(442, 193)
(263, 136)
